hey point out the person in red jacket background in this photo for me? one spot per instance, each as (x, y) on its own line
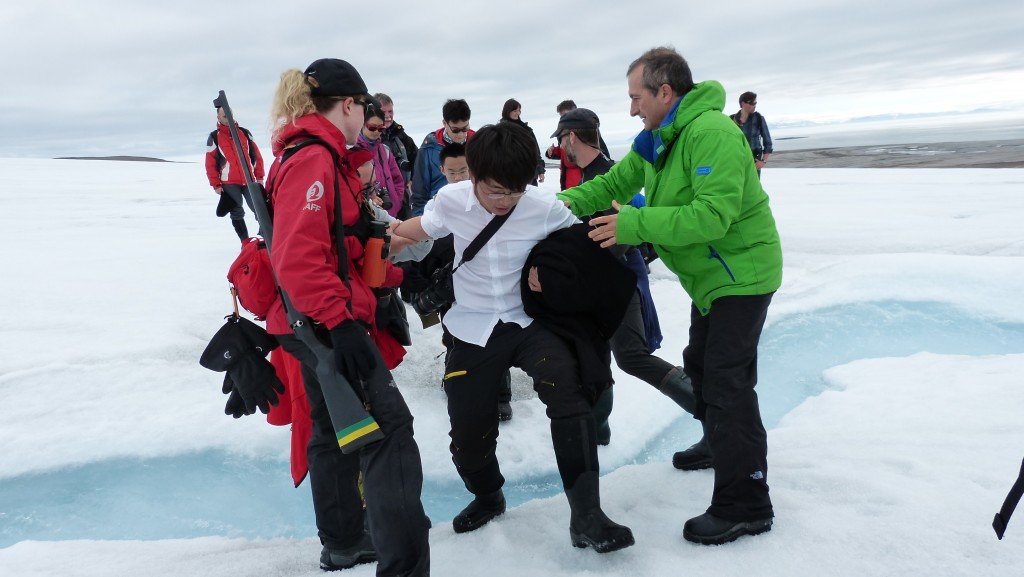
(226, 173)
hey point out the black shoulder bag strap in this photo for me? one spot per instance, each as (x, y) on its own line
(484, 236)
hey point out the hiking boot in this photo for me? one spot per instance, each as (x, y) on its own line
(695, 458)
(479, 512)
(707, 529)
(338, 559)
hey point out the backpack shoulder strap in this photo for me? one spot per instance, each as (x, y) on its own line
(339, 231)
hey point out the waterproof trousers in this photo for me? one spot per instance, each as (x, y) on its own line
(473, 377)
(392, 475)
(721, 360)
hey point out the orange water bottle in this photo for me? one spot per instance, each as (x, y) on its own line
(375, 255)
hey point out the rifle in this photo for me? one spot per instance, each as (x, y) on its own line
(353, 425)
(1003, 516)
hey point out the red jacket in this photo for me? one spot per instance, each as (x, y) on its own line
(304, 255)
(571, 174)
(222, 165)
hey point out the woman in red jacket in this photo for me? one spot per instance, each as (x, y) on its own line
(327, 102)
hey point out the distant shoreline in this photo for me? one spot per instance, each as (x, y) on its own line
(967, 154)
(972, 154)
(120, 158)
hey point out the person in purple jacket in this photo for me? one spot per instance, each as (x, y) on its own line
(389, 184)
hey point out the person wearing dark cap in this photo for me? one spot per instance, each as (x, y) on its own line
(226, 174)
(328, 102)
(578, 135)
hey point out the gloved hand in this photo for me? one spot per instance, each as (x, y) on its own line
(256, 383)
(353, 350)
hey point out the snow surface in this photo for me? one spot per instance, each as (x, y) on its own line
(113, 282)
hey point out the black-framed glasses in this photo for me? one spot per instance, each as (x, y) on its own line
(754, 103)
(506, 194)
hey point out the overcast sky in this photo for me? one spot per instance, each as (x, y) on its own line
(138, 77)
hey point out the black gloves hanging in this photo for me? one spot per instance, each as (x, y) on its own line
(353, 350)
(240, 348)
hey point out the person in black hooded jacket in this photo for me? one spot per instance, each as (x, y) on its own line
(512, 112)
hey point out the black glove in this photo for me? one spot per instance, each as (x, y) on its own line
(239, 348)
(256, 383)
(353, 350)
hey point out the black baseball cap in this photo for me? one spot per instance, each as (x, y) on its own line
(578, 118)
(335, 77)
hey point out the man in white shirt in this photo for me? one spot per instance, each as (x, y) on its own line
(492, 332)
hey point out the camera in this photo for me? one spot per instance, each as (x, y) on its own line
(404, 165)
(372, 189)
(440, 293)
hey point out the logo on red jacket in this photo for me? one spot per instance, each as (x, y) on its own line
(315, 193)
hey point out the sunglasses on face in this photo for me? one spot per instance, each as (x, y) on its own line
(455, 130)
(375, 127)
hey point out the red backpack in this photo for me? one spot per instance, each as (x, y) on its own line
(253, 278)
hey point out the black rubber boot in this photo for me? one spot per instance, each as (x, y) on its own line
(707, 529)
(240, 229)
(677, 386)
(602, 412)
(588, 525)
(576, 455)
(479, 512)
(338, 559)
(697, 457)
(505, 397)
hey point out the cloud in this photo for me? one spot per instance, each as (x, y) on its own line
(111, 75)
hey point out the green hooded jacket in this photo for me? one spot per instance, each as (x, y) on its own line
(706, 212)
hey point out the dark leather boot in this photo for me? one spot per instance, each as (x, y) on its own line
(588, 525)
(479, 512)
(602, 412)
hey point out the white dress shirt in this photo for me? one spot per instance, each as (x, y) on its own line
(487, 287)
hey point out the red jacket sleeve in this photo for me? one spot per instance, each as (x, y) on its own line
(303, 255)
(211, 160)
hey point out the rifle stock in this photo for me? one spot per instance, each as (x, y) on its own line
(353, 425)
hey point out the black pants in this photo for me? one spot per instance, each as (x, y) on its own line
(238, 192)
(721, 360)
(392, 475)
(630, 348)
(473, 376)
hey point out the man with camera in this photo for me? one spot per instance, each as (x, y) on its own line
(491, 332)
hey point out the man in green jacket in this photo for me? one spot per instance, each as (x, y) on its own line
(709, 220)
